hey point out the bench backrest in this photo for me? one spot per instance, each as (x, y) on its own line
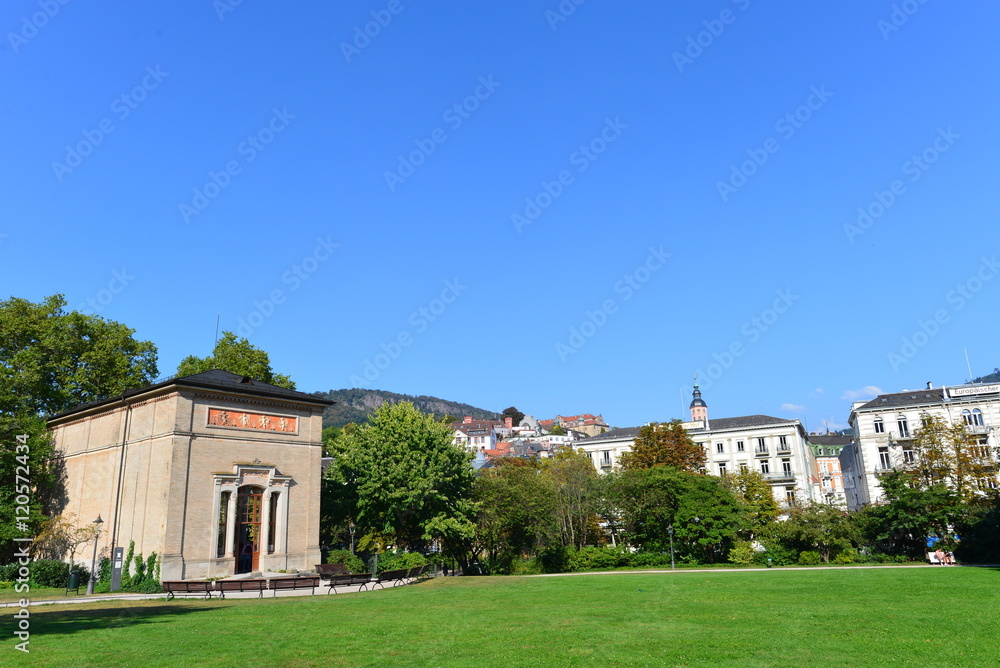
(332, 569)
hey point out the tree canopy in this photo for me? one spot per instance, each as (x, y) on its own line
(50, 361)
(236, 355)
(515, 415)
(667, 444)
(404, 478)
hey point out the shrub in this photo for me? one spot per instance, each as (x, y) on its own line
(555, 559)
(599, 558)
(53, 573)
(351, 561)
(527, 567)
(8, 572)
(809, 558)
(649, 560)
(742, 554)
(391, 561)
(848, 556)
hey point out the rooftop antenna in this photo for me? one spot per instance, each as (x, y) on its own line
(680, 391)
(217, 317)
(967, 365)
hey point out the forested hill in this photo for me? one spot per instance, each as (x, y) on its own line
(991, 378)
(355, 405)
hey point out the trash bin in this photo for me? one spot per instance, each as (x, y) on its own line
(74, 581)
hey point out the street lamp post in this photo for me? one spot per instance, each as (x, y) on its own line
(670, 530)
(350, 528)
(93, 562)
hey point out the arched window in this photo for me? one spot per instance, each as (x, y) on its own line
(879, 426)
(904, 426)
(977, 417)
(967, 416)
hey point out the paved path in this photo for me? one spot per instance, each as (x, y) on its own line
(321, 590)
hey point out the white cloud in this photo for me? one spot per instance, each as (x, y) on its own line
(793, 408)
(818, 392)
(867, 392)
(833, 426)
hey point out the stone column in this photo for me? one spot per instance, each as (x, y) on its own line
(231, 523)
(265, 521)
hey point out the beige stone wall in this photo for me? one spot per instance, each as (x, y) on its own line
(173, 460)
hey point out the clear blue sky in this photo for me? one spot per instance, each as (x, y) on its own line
(114, 118)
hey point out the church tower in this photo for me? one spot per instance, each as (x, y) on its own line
(699, 409)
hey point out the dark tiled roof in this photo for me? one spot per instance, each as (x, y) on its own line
(912, 398)
(745, 421)
(216, 379)
(829, 439)
(613, 435)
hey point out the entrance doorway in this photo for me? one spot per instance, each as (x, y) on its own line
(248, 511)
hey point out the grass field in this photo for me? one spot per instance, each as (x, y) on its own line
(859, 617)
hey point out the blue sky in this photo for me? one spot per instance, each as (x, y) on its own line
(568, 208)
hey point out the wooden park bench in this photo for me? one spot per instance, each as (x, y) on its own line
(307, 582)
(396, 577)
(175, 587)
(250, 584)
(326, 570)
(349, 580)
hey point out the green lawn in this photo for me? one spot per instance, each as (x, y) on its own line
(859, 617)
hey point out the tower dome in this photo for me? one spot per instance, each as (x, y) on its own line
(699, 409)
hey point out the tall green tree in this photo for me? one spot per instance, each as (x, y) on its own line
(577, 489)
(404, 477)
(236, 355)
(951, 455)
(517, 513)
(752, 490)
(822, 527)
(51, 360)
(668, 444)
(515, 415)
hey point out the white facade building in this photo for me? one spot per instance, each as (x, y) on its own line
(884, 431)
(775, 447)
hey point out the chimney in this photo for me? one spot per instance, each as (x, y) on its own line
(467, 419)
(509, 422)
(930, 385)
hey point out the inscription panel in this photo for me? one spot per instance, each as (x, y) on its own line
(223, 417)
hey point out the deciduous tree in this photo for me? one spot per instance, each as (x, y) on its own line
(404, 476)
(668, 444)
(236, 355)
(50, 361)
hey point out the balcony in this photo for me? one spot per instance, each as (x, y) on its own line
(784, 449)
(976, 428)
(780, 476)
(761, 452)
